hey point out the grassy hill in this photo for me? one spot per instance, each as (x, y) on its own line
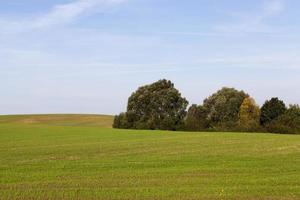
(40, 161)
(104, 121)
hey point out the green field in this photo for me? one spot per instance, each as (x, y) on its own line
(103, 121)
(76, 157)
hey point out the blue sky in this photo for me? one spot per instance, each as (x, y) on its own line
(87, 56)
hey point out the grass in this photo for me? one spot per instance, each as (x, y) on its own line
(104, 121)
(42, 161)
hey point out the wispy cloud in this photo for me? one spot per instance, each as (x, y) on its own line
(68, 12)
(273, 7)
(255, 22)
(59, 15)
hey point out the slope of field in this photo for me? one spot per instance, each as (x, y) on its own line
(104, 121)
(73, 162)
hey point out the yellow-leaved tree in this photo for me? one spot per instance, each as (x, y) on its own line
(249, 115)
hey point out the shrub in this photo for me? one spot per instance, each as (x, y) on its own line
(120, 121)
(287, 123)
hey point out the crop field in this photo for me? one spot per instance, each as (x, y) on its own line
(80, 157)
(103, 121)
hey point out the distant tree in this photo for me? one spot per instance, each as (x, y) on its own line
(155, 106)
(121, 121)
(249, 115)
(223, 108)
(271, 110)
(117, 121)
(288, 123)
(196, 119)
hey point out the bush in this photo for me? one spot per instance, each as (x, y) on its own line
(120, 121)
(287, 123)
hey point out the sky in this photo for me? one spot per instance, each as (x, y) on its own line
(88, 56)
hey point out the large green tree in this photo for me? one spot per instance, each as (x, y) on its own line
(271, 110)
(155, 106)
(223, 108)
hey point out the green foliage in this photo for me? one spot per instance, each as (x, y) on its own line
(196, 119)
(120, 121)
(288, 123)
(155, 106)
(223, 108)
(249, 115)
(126, 121)
(271, 110)
(159, 106)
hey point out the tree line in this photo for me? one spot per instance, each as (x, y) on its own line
(160, 106)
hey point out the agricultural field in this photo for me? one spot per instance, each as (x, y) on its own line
(103, 121)
(81, 157)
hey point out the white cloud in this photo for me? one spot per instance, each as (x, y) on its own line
(59, 15)
(255, 22)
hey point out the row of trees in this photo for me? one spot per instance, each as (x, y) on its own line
(160, 106)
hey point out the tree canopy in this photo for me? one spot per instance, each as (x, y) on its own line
(223, 107)
(196, 119)
(249, 115)
(289, 122)
(272, 109)
(155, 106)
(160, 106)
